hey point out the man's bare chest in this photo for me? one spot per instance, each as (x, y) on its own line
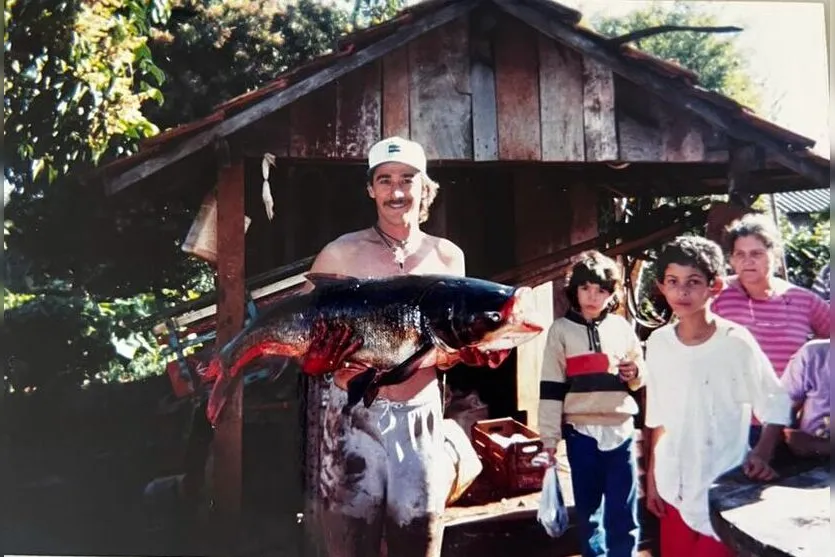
(376, 261)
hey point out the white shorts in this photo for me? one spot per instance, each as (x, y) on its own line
(384, 466)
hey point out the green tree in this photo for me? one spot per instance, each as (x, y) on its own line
(75, 76)
(806, 249)
(213, 50)
(715, 58)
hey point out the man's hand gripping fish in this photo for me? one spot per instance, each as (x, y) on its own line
(395, 324)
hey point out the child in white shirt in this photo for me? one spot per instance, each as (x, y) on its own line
(705, 376)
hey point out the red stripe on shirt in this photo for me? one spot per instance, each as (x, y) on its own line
(585, 364)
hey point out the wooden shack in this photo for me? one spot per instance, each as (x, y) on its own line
(533, 126)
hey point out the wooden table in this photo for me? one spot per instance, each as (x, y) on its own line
(788, 517)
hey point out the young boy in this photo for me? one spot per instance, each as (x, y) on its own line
(592, 360)
(807, 379)
(705, 375)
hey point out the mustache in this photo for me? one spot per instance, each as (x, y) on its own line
(396, 201)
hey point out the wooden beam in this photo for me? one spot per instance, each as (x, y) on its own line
(406, 33)
(227, 444)
(677, 95)
(483, 84)
(555, 265)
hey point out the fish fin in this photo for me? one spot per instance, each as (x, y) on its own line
(358, 387)
(370, 394)
(366, 385)
(406, 369)
(327, 279)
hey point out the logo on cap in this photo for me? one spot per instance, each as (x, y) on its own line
(394, 148)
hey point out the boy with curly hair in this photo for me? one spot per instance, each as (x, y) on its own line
(705, 376)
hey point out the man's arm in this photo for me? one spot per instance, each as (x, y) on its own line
(772, 407)
(796, 382)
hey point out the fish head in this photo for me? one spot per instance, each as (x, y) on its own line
(481, 314)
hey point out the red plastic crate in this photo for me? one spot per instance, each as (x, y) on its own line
(509, 468)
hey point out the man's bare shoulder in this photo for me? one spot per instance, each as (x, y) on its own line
(347, 242)
(337, 254)
(449, 252)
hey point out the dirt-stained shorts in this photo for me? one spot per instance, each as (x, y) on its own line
(384, 468)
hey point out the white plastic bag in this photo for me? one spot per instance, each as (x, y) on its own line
(552, 513)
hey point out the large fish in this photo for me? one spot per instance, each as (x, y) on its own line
(403, 322)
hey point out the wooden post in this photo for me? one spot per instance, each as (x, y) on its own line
(230, 317)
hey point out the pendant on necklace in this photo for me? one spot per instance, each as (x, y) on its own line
(400, 256)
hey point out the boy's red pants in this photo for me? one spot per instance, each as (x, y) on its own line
(678, 540)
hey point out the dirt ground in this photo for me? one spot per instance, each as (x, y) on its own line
(75, 469)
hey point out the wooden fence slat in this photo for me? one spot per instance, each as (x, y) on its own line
(440, 111)
(483, 80)
(395, 101)
(358, 111)
(638, 142)
(561, 101)
(312, 123)
(517, 92)
(599, 111)
(681, 136)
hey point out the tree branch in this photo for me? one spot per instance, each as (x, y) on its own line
(650, 31)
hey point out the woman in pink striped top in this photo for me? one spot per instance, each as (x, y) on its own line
(781, 316)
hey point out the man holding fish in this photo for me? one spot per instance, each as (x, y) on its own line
(386, 308)
(384, 470)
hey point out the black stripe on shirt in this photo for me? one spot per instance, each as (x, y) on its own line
(552, 390)
(597, 382)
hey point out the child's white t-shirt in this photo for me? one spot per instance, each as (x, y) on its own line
(703, 396)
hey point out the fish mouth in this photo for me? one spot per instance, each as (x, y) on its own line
(522, 322)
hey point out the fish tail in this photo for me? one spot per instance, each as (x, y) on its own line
(227, 380)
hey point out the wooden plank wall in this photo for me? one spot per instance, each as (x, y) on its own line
(490, 88)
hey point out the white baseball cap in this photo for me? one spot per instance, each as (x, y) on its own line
(397, 149)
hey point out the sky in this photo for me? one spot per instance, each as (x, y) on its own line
(784, 44)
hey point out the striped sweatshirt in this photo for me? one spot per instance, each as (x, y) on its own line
(579, 382)
(781, 324)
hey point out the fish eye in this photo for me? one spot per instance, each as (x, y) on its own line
(493, 316)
